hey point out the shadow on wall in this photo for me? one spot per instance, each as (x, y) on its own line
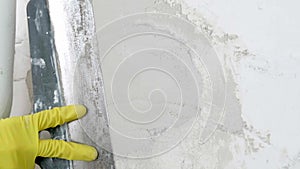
(7, 45)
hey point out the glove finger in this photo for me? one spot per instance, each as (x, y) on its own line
(58, 116)
(66, 150)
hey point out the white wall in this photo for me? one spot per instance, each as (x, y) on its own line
(21, 99)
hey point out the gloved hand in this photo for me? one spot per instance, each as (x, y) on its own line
(20, 143)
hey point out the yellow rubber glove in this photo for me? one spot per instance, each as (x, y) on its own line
(20, 144)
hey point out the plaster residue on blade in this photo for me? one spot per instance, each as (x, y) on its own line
(80, 75)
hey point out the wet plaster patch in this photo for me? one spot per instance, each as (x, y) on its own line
(192, 152)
